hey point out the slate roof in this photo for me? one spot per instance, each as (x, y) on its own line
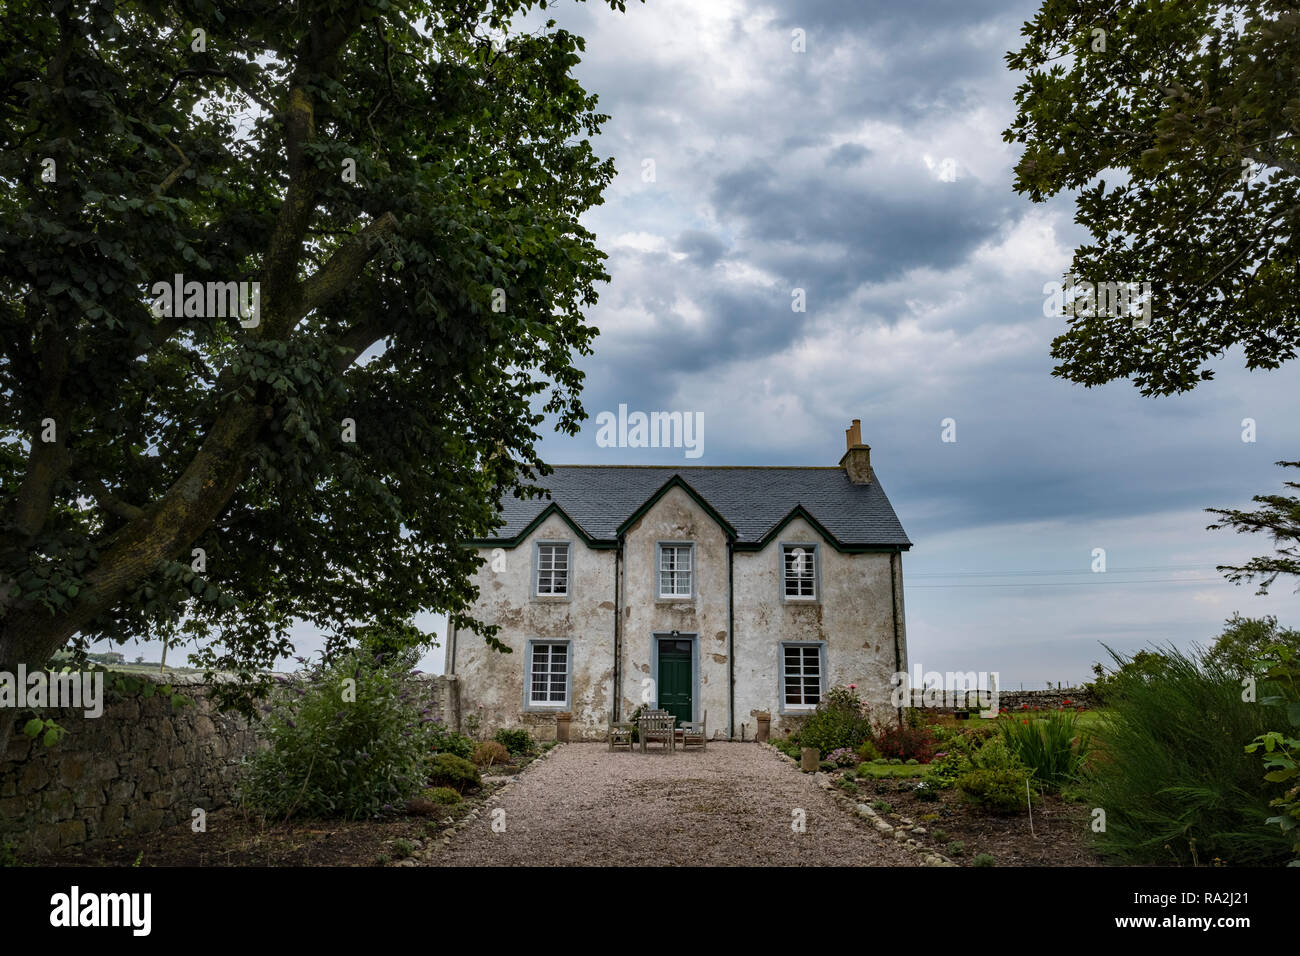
(753, 500)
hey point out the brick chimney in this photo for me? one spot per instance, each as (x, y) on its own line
(857, 458)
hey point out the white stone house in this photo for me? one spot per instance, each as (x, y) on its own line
(713, 592)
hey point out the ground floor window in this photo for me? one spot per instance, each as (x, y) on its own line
(803, 674)
(548, 673)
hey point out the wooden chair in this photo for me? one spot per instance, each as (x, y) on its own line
(620, 736)
(695, 734)
(656, 726)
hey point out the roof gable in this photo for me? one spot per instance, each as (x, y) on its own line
(751, 504)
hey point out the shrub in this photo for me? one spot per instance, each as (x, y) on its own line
(490, 752)
(403, 848)
(867, 751)
(882, 806)
(983, 859)
(450, 742)
(957, 848)
(1174, 775)
(911, 761)
(445, 795)
(1053, 745)
(880, 761)
(331, 757)
(840, 720)
(926, 792)
(519, 743)
(850, 774)
(844, 757)
(825, 765)
(895, 762)
(905, 741)
(788, 746)
(448, 770)
(1143, 667)
(997, 791)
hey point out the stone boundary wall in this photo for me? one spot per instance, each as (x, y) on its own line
(144, 765)
(1047, 699)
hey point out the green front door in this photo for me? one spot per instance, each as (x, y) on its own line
(675, 685)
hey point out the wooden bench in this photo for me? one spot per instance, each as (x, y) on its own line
(657, 726)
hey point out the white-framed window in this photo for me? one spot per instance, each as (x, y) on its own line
(803, 675)
(676, 570)
(553, 566)
(548, 674)
(799, 572)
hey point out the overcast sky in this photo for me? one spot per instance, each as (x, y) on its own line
(869, 171)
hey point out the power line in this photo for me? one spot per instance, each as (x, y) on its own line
(1060, 584)
(1040, 571)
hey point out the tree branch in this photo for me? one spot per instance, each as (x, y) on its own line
(346, 263)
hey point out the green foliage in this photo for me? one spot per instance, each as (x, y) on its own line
(997, 791)
(1143, 667)
(1181, 100)
(983, 859)
(926, 791)
(840, 720)
(520, 742)
(403, 848)
(8, 855)
(882, 806)
(473, 170)
(445, 795)
(1279, 519)
(1173, 775)
(867, 751)
(1281, 751)
(1252, 645)
(787, 745)
(825, 766)
(48, 731)
(1051, 744)
(448, 770)
(443, 740)
(956, 848)
(330, 756)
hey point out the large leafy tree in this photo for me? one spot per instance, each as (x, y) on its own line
(404, 179)
(1178, 123)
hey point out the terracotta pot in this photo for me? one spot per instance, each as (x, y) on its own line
(764, 726)
(562, 727)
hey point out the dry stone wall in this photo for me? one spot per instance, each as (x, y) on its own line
(145, 764)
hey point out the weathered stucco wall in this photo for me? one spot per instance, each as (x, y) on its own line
(854, 616)
(677, 518)
(492, 683)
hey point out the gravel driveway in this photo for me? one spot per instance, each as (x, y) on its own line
(730, 805)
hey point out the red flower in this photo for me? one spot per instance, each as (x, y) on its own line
(1067, 701)
(1025, 722)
